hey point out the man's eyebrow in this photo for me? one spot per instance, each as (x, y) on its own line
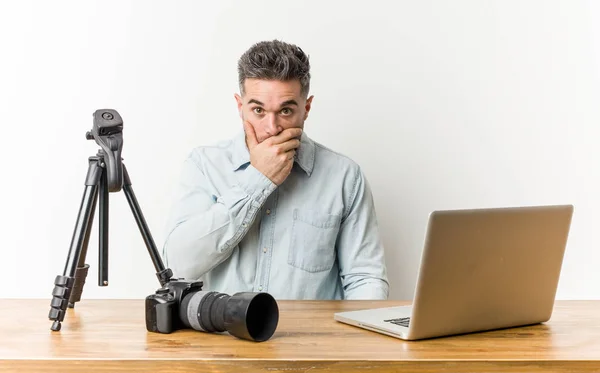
(253, 101)
(285, 103)
(288, 102)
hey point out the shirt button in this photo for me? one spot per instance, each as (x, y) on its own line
(244, 225)
(264, 249)
(268, 211)
(260, 288)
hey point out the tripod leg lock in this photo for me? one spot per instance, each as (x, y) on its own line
(60, 298)
(80, 276)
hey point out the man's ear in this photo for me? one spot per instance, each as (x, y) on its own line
(239, 101)
(307, 106)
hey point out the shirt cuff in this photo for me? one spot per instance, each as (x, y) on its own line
(371, 290)
(257, 185)
(252, 183)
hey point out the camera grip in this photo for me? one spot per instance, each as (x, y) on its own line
(159, 314)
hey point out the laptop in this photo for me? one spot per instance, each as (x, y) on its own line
(481, 269)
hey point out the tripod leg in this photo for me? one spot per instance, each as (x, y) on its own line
(63, 285)
(103, 224)
(82, 268)
(163, 274)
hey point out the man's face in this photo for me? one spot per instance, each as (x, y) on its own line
(271, 106)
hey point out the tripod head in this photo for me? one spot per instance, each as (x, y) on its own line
(107, 131)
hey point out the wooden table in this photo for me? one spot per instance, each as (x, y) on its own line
(110, 335)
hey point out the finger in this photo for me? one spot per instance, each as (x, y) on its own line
(291, 154)
(250, 135)
(288, 167)
(286, 135)
(289, 145)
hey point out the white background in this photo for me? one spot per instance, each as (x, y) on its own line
(445, 104)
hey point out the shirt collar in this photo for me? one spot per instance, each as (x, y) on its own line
(305, 154)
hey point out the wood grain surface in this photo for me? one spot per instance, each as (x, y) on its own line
(110, 335)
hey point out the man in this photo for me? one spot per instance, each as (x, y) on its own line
(272, 210)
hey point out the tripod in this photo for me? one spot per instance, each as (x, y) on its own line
(106, 174)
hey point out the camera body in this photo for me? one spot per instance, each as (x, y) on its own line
(163, 307)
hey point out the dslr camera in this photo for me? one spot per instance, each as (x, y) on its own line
(181, 304)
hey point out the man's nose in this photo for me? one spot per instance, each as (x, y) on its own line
(272, 126)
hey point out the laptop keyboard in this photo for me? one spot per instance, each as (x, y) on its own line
(403, 321)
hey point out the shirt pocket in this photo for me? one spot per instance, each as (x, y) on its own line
(312, 241)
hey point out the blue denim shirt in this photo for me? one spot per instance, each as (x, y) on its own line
(313, 237)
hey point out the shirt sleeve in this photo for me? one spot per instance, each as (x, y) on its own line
(203, 228)
(360, 252)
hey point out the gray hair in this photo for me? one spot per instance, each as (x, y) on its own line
(275, 60)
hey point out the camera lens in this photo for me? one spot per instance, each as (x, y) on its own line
(252, 316)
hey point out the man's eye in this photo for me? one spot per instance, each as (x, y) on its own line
(257, 110)
(286, 111)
